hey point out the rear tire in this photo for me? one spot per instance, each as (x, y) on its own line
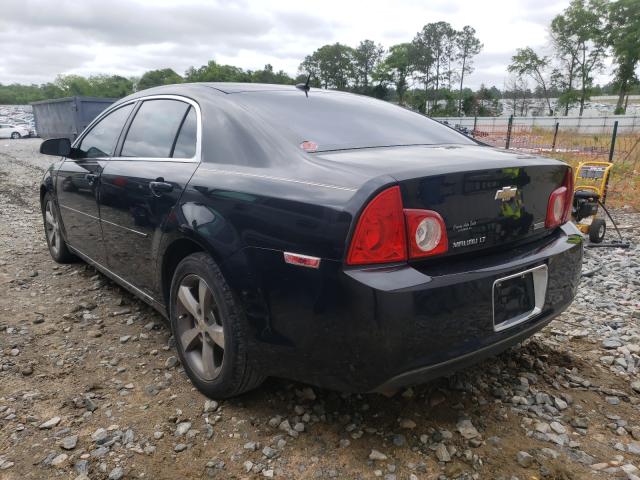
(597, 230)
(53, 232)
(15, 135)
(209, 330)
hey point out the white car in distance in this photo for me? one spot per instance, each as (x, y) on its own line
(13, 131)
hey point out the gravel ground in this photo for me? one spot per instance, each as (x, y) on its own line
(90, 386)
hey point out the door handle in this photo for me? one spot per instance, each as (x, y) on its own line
(158, 188)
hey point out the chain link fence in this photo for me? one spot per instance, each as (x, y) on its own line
(572, 139)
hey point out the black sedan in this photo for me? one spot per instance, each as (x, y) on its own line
(332, 238)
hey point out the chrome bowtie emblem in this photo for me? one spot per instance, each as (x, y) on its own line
(506, 193)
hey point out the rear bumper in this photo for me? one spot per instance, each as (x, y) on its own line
(430, 372)
(370, 329)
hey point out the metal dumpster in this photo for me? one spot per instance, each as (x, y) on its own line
(67, 117)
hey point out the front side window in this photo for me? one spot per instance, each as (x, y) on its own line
(154, 129)
(102, 138)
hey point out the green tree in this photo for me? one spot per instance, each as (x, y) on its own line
(267, 75)
(395, 69)
(155, 78)
(566, 51)
(72, 85)
(331, 65)
(366, 56)
(110, 86)
(527, 62)
(434, 48)
(468, 47)
(583, 23)
(216, 72)
(624, 38)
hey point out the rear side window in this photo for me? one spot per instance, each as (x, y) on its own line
(186, 141)
(154, 129)
(103, 136)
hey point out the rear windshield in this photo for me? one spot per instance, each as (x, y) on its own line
(334, 120)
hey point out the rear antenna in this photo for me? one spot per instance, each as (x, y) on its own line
(305, 86)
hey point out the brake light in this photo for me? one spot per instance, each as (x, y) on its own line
(380, 235)
(426, 233)
(559, 206)
(388, 233)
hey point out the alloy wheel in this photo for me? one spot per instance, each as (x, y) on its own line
(199, 328)
(52, 227)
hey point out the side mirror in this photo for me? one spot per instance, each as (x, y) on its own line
(59, 147)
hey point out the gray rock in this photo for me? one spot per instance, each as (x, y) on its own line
(100, 436)
(442, 453)
(116, 474)
(377, 455)
(580, 422)
(634, 447)
(269, 452)
(611, 343)
(524, 459)
(252, 446)
(182, 428)
(99, 452)
(170, 362)
(558, 428)
(60, 460)
(90, 404)
(82, 467)
(560, 404)
(210, 406)
(50, 423)
(70, 442)
(181, 447)
(466, 429)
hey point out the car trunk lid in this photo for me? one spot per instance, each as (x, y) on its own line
(487, 197)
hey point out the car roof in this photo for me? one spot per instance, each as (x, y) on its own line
(229, 87)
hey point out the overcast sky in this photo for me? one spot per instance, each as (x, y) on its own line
(40, 39)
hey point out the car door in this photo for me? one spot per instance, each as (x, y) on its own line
(77, 182)
(140, 187)
(4, 131)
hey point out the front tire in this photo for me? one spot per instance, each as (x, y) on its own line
(15, 135)
(597, 230)
(53, 232)
(208, 328)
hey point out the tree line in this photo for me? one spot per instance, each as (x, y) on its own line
(116, 86)
(583, 37)
(428, 72)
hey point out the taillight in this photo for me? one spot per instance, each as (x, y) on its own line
(426, 233)
(388, 233)
(559, 206)
(379, 236)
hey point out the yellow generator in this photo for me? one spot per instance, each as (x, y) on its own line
(590, 191)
